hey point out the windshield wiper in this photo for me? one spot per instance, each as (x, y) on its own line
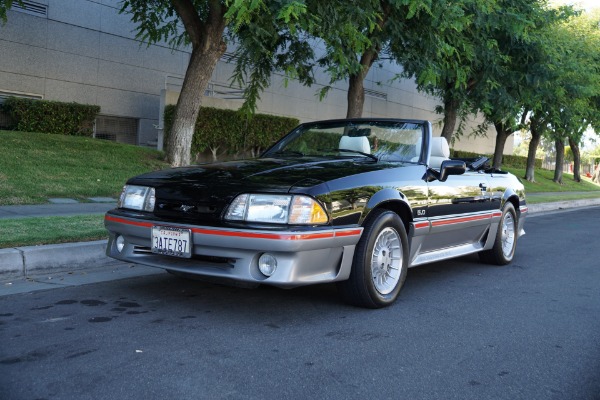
(371, 156)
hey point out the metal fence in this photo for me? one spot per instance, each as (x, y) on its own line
(116, 129)
(568, 167)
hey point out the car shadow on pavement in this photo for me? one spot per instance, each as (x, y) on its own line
(421, 282)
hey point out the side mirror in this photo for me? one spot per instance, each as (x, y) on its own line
(451, 167)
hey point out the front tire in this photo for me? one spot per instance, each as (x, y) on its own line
(505, 243)
(380, 262)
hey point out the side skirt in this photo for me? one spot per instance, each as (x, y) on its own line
(445, 254)
(484, 242)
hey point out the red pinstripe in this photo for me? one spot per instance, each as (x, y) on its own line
(460, 220)
(251, 235)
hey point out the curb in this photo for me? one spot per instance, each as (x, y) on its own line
(22, 262)
(562, 205)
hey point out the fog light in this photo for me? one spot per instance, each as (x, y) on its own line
(120, 243)
(267, 264)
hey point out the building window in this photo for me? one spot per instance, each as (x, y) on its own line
(31, 8)
(376, 94)
(116, 129)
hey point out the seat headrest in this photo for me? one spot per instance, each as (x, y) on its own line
(439, 147)
(356, 143)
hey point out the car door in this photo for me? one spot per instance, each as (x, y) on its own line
(459, 211)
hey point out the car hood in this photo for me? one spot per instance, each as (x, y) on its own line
(200, 193)
(268, 174)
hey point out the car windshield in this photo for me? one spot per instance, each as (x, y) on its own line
(395, 141)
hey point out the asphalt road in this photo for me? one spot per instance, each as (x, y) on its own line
(461, 330)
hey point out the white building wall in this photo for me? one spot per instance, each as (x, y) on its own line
(85, 51)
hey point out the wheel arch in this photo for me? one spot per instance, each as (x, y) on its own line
(389, 199)
(512, 197)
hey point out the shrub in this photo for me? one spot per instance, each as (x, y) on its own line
(228, 131)
(507, 160)
(51, 116)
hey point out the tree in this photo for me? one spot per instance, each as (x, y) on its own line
(572, 152)
(204, 23)
(343, 27)
(397, 18)
(537, 127)
(559, 145)
(563, 102)
(447, 52)
(479, 69)
(539, 91)
(579, 80)
(521, 82)
(587, 31)
(522, 149)
(203, 30)
(532, 85)
(5, 5)
(349, 56)
(403, 31)
(355, 36)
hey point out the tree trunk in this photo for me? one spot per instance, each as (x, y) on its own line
(207, 47)
(576, 160)
(451, 106)
(560, 160)
(502, 134)
(356, 96)
(356, 88)
(536, 136)
(356, 82)
(214, 151)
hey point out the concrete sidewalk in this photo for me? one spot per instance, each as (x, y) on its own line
(30, 261)
(56, 209)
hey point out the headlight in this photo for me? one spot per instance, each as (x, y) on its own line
(276, 209)
(141, 198)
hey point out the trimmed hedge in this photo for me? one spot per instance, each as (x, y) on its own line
(507, 160)
(51, 116)
(229, 132)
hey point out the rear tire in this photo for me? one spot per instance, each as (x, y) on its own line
(380, 262)
(505, 243)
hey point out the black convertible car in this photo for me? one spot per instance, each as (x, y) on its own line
(354, 201)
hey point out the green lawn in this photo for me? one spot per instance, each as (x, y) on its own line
(565, 196)
(16, 232)
(38, 166)
(543, 182)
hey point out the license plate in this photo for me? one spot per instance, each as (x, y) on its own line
(171, 241)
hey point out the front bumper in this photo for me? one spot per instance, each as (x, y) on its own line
(303, 257)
